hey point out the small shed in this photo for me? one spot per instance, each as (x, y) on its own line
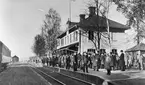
(15, 59)
(139, 47)
(138, 52)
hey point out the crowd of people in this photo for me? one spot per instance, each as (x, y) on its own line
(94, 61)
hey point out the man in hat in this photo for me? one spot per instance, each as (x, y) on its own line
(86, 62)
(108, 64)
(75, 62)
(121, 61)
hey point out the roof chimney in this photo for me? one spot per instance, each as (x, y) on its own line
(82, 17)
(92, 11)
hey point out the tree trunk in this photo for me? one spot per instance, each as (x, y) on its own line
(138, 39)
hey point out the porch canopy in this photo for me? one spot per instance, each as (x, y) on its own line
(90, 24)
(139, 47)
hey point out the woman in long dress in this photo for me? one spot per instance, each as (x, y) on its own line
(108, 64)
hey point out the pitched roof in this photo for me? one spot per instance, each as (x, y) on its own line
(71, 26)
(15, 56)
(139, 47)
(90, 23)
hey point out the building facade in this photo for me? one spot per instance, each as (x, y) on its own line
(69, 40)
(82, 36)
(5, 53)
(78, 41)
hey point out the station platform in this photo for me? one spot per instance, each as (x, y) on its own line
(99, 77)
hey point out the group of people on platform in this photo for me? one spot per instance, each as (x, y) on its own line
(82, 62)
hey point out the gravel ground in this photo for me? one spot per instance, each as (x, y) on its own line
(21, 76)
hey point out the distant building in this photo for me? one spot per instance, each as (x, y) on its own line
(34, 59)
(15, 59)
(5, 53)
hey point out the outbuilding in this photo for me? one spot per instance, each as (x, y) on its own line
(15, 59)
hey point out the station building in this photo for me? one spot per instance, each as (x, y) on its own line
(76, 38)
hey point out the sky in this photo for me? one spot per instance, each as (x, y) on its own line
(21, 20)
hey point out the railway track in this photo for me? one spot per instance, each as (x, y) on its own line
(56, 78)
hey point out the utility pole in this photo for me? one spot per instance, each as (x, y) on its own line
(108, 29)
(98, 33)
(138, 39)
(70, 10)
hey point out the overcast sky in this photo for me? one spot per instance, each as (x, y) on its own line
(21, 20)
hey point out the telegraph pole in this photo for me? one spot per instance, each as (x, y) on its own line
(98, 34)
(108, 29)
(70, 10)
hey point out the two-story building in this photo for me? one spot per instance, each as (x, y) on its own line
(77, 37)
(68, 41)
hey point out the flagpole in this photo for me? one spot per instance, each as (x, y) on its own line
(107, 5)
(70, 10)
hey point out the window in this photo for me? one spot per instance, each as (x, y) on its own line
(67, 39)
(62, 42)
(58, 42)
(91, 50)
(70, 38)
(76, 37)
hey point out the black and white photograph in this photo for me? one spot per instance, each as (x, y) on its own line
(72, 42)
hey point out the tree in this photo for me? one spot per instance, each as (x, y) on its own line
(102, 9)
(134, 11)
(39, 47)
(103, 39)
(51, 29)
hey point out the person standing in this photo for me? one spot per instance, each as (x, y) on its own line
(43, 61)
(75, 62)
(47, 61)
(59, 61)
(122, 61)
(141, 62)
(108, 64)
(86, 62)
(68, 61)
(102, 60)
(113, 58)
(117, 61)
(90, 60)
(79, 60)
(130, 59)
(98, 61)
(94, 62)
